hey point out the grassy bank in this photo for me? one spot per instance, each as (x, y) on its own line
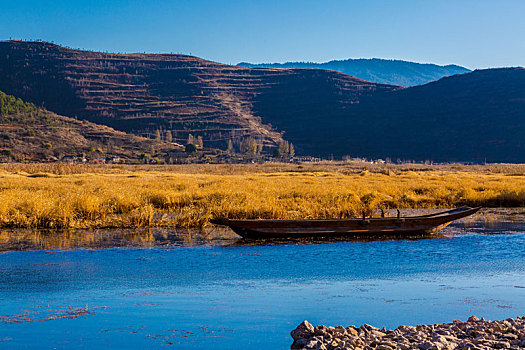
(63, 196)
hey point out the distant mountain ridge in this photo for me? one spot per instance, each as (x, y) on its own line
(478, 116)
(393, 72)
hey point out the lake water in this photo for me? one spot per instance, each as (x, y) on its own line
(197, 294)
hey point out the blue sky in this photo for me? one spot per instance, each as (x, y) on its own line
(472, 33)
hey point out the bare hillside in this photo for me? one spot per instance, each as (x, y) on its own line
(34, 134)
(141, 93)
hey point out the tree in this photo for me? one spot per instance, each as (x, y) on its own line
(158, 136)
(190, 148)
(169, 137)
(292, 150)
(199, 142)
(190, 140)
(249, 146)
(284, 147)
(252, 146)
(230, 149)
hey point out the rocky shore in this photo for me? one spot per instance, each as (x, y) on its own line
(473, 334)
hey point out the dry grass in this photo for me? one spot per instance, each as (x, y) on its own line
(64, 196)
(229, 169)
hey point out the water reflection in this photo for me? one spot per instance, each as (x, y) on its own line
(108, 238)
(499, 221)
(11, 240)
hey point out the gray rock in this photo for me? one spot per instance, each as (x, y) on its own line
(473, 334)
(425, 346)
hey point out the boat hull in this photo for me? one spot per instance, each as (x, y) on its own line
(416, 225)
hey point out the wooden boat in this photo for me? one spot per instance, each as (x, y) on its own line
(411, 225)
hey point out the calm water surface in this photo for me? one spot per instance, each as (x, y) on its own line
(233, 295)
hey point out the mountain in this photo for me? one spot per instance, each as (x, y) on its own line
(475, 116)
(393, 72)
(31, 133)
(478, 116)
(143, 93)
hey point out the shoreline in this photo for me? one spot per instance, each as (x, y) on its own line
(501, 220)
(79, 199)
(162, 220)
(474, 333)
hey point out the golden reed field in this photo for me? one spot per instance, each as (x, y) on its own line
(84, 196)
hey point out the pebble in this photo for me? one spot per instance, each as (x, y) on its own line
(475, 333)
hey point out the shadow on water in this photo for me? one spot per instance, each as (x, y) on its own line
(321, 240)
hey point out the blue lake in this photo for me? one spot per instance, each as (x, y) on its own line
(233, 295)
